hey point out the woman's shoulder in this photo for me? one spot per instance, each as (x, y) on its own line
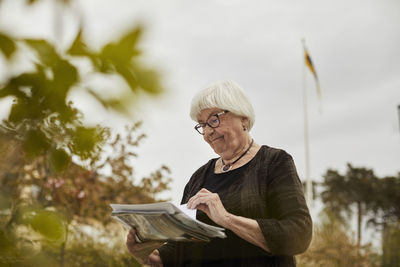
(278, 165)
(273, 154)
(197, 180)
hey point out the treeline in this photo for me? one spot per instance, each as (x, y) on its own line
(374, 202)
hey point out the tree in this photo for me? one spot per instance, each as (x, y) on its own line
(386, 211)
(377, 199)
(391, 244)
(386, 204)
(342, 192)
(335, 195)
(333, 247)
(41, 114)
(51, 183)
(50, 202)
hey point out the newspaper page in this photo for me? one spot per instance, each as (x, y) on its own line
(164, 221)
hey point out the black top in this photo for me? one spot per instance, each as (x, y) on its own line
(266, 189)
(232, 250)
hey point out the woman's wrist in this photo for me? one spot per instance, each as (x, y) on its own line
(227, 220)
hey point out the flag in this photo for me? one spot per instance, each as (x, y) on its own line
(310, 65)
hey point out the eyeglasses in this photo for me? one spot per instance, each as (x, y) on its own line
(212, 121)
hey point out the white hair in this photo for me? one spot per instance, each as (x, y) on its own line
(226, 95)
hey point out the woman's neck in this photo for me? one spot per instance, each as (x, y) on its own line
(229, 157)
(223, 166)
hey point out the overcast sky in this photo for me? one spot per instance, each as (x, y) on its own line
(354, 46)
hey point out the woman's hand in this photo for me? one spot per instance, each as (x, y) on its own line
(246, 228)
(211, 204)
(144, 253)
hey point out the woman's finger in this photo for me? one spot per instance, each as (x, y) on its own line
(131, 234)
(204, 190)
(193, 198)
(200, 200)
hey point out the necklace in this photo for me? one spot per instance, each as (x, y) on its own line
(227, 167)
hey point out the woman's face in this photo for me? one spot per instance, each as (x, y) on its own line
(228, 138)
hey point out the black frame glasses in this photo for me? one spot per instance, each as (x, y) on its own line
(213, 121)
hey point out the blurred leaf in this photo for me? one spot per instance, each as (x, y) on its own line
(121, 53)
(41, 259)
(7, 245)
(148, 80)
(28, 89)
(50, 225)
(7, 45)
(118, 57)
(5, 91)
(65, 75)
(5, 200)
(36, 142)
(78, 47)
(18, 111)
(53, 90)
(129, 75)
(120, 103)
(121, 57)
(37, 95)
(60, 159)
(25, 109)
(45, 50)
(85, 141)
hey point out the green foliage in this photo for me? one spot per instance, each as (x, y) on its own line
(343, 193)
(59, 160)
(85, 141)
(16, 251)
(380, 197)
(333, 247)
(81, 195)
(391, 245)
(7, 46)
(85, 250)
(6, 245)
(41, 114)
(42, 190)
(5, 201)
(377, 199)
(51, 225)
(23, 239)
(36, 143)
(121, 57)
(386, 204)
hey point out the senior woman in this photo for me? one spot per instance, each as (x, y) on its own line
(252, 191)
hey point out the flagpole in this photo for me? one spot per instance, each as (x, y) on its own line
(398, 111)
(309, 196)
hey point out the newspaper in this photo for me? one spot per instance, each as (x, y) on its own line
(164, 222)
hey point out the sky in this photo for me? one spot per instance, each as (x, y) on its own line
(354, 45)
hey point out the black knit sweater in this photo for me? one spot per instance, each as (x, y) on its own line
(266, 189)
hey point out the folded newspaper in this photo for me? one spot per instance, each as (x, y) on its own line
(165, 222)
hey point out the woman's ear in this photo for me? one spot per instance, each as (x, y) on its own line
(245, 123)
